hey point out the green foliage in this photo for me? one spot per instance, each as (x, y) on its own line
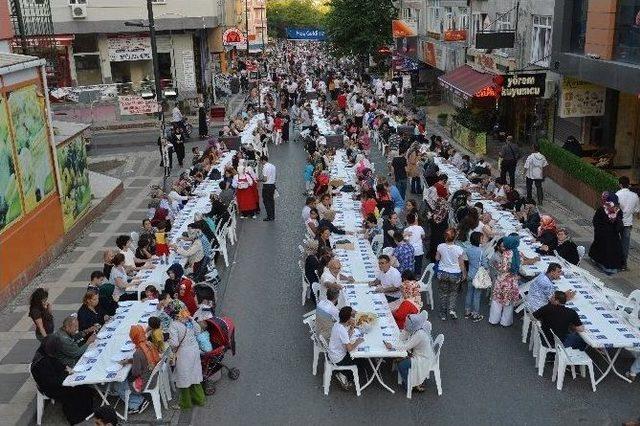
(293, 13)
(576, 167)
(359, 27)
(474, 119)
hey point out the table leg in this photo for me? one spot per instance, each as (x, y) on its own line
(611, 366)
(376, 375)
(105, 401)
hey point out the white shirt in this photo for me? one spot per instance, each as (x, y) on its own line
(391, 278)
(269, 173)
(129, 257)
(629, 204)
(306, 211)
(534, 166)
(325, 278)
(329, 308)
(415, 234)
(339, 338)
(176, 115)
(358, 109)
(449, 254)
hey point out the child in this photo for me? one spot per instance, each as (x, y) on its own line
(150, 293)
(156, 335)
(308, 177)
(204, 342)
(162, 248)
(474, 255)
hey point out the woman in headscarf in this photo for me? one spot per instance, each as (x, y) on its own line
(416, 340)
(188, 370)
(547, 235)
(144, 359)
(49, 373)
(505, 288)
(172, 284)
(606, 249)
(411, 299)
(246, 192)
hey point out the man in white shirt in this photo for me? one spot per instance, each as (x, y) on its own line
(630, 206)
(389, 279)
(331, 277)
(268, 187)
(342, 342)
(329, 306)
(534, 171)
(358, 112)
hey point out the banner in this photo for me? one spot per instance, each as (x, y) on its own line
(524, 85)
(31, 139)
(455, 35)
(10, 204)
(581, 99)
(233, 37)
(404, 28)
(74, 176)
(135, 105)
(123, 49)
(312, 34)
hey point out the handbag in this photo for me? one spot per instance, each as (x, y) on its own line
(482, 280)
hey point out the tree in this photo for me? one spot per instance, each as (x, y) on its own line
(359, 27)
(295, 14)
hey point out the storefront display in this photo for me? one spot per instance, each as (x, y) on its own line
(74, 177)
(10, 204)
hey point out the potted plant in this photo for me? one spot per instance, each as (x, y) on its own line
(442, 118)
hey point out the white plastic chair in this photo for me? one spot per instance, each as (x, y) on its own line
(40, 399)
(166, 383)
(317, 346)
(569, 357)
(153, 388)
(135, 237)
(221, 237)
(427, 286)
(305, 282)
(376, 244)
(526, 322)
(330, 367)
(582, 251)
(524, 291)
(435, 368)
(233, 223)
(544, 346)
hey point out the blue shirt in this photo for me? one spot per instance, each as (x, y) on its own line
(398, 201)
(540, 291)
(474, 256)
(308, 173)
(405, 254)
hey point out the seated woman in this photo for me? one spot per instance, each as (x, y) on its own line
(567, 249)
(417, 341)
(90, 313)
(369, 203)
(547, 236)
(411, 300)
(49, 373)
(145, 358)
(312, 223)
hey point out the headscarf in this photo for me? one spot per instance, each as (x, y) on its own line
(417, 322)
(139, 338)
(311, 247)
(547, 223)
(511, 243)
(177, 269)
(174, 308)
(610, 204)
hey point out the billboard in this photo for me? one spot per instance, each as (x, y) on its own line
(31, 140)
(313, 34)
(495, 40)
(524, 85)
(10, 204)
(75, 192)
(404, 28)
(581, 99)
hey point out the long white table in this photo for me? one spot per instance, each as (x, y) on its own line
(360, 263)
(348, 214)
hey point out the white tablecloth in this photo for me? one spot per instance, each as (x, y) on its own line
(360, 263)
(319, 119)
(246, 137)
(111, 339)
(348, 215)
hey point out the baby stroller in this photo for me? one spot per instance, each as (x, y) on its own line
(222, 334)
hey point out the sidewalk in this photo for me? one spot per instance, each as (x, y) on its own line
(570, 213)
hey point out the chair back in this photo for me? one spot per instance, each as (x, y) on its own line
(315, 288)
(437, 347)
(325, 347)
(135, 237)
(376, 244)
(428, 270)
(301, 265)
(152, 383)
(559, 345)
(581, 253)
(543, 337)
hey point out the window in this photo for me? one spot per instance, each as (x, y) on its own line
(541, 40)
(434, 17)
(578, 26)
(627, 42)
(477, 24)
(462, 18)
(503, 23)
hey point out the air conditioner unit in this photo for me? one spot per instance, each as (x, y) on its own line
(78, 9)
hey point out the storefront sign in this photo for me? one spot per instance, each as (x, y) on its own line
(306, 34)
(404, 28)
(581, 99)
(233, 37)
(455, 35)
(129, 49)
(135, 105)
(523, 85)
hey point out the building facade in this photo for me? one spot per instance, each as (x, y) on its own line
(6, 32)
(597, 51)
(102, 50)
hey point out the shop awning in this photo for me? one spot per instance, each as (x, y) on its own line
(469, 83)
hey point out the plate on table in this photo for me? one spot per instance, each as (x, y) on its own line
(91, 353)
(128, 347)
(113, 368)
(81, 368)
(121, 357)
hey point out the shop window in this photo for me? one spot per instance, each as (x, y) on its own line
(165, 65)
(541, 41)
(579, 26)
(627, 45)
(88, 69)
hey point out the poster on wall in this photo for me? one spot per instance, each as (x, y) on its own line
(74, 177)
(129, 49)
(189, 76)
(136, 104)
(31, 139)
(10, 204)
(581, 99)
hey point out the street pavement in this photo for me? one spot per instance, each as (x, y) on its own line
(488, 375)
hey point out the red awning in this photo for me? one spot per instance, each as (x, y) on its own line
(468, 83)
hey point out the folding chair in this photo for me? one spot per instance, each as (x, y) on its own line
(427, 286)
(434, 367)
(569, 357)
(40, 399)
(221, 237)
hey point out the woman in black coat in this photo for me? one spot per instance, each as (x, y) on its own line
(49, 373)
(606, 249)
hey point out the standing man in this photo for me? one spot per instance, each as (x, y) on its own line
(268, 187)
(630, 206)
(509, 156)
(534, 171)
(399, 168)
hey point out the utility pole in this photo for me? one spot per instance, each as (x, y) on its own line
(246, 23)
(154, 60)
(262, 23)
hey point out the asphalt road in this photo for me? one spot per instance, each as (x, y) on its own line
(488, 375)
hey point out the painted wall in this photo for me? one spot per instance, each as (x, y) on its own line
(627, 129)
